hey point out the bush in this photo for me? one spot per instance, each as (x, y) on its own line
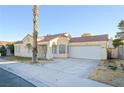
(112, 67)
(122, 66)
(3, 51)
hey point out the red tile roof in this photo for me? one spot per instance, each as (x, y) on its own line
(73, 39)
(49, 37)
(5, 43)
(90, 38)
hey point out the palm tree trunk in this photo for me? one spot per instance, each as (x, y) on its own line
(122, 52)
(35, 34)
(118, 53)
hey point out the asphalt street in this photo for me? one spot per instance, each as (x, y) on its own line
(8, 79)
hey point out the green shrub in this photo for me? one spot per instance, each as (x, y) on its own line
(112, 67)
(3, 51)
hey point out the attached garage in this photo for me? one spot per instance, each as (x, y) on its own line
(88, 52)
(89, 47)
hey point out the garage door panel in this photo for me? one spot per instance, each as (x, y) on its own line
(89, 52)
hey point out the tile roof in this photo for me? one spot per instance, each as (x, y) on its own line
(49, 37)
(73, 39)
(18, 42)
(90, 38)
(5, 43)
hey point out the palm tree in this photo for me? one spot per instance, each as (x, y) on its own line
(35, 34)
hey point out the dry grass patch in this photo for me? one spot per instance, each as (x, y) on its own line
(27, 60)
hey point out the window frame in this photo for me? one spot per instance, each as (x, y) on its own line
(54, 49)
(62, 49)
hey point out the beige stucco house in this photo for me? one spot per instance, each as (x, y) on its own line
(64, 46)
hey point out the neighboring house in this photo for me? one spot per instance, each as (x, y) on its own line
(63, 46)
(3, 43)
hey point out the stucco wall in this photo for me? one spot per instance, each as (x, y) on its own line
(24, 52)
(57, 41)
(121, 52)
(114, 53)
(104, 53)
(28, 40)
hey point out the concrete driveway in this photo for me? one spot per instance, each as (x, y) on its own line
(77, 67)
(57, 73)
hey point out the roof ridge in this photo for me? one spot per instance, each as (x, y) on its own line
(91, 36)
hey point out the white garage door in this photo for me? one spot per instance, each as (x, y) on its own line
(88, 52)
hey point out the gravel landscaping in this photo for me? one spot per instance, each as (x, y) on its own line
(110, 72)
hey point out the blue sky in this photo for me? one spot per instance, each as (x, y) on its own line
(17, 21)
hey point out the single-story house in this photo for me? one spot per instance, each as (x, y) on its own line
(64, 46)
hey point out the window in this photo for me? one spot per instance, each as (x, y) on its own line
(62, 49)
(54, 49)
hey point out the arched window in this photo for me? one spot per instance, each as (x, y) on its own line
(54, 49)
(62, 49)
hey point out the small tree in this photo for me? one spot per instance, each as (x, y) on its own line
(3, 51)
(117, 42)
(86, 34)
